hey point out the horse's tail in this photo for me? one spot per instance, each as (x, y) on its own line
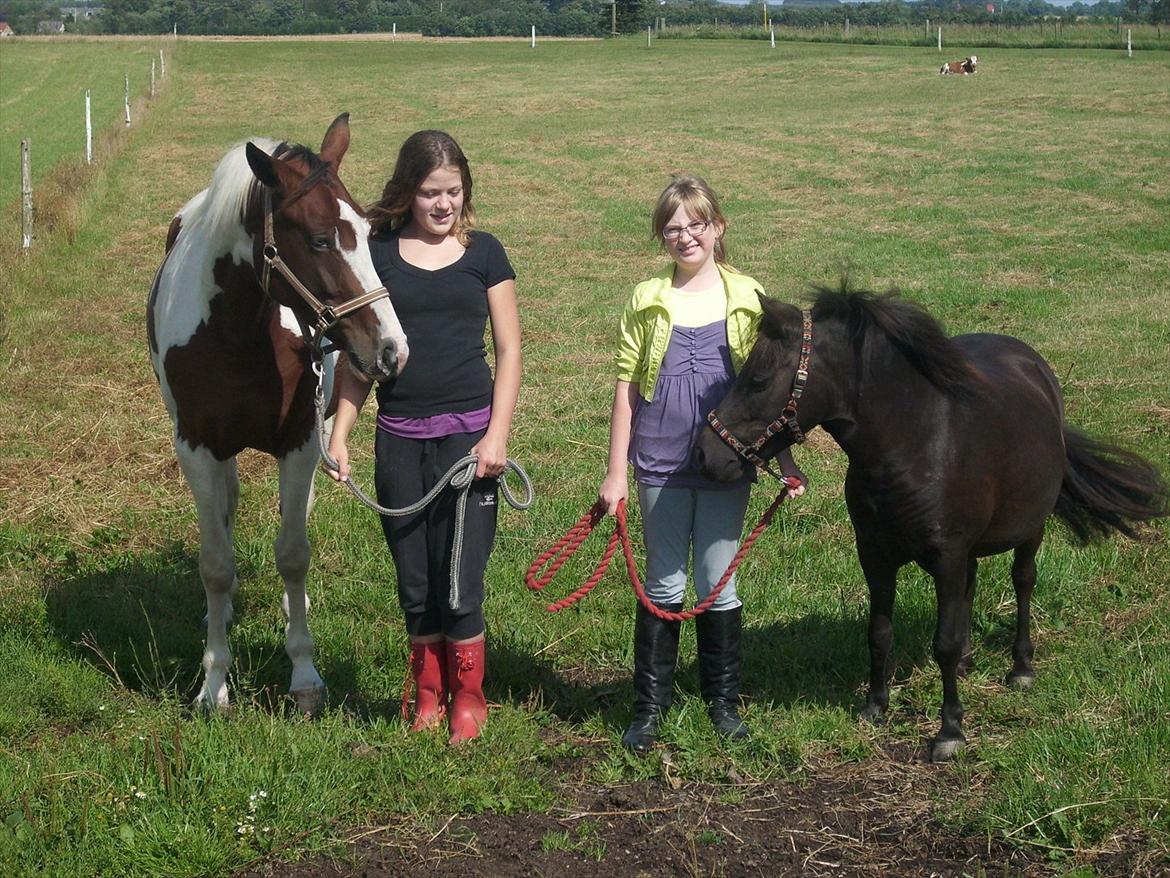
(1107, 488)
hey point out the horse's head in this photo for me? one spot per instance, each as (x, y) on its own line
(771, 403)
(316, 255)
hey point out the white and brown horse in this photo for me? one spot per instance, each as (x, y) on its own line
(269, 260)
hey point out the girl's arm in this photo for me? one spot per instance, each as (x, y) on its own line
(351, 394)
(505, 321)
(615, 487)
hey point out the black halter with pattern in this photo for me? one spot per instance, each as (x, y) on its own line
(787, 418)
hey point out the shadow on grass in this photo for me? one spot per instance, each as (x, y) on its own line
(139, 619)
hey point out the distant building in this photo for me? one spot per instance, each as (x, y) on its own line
(6, 30)
(81, 13)
(50, 27)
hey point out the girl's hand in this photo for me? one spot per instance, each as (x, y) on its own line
(788, 467)
(614, 488)
(493, 457)
(339, 451)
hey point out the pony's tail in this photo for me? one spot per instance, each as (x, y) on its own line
(1107, 488)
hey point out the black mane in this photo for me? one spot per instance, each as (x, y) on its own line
(918, 336)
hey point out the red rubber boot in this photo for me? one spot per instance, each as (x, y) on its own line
(428, 663)
(465, 676)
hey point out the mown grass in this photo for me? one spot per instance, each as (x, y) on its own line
(963, 37)
(42, 99)
(1032, 199)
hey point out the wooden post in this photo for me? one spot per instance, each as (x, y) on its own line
(940, 37)
(127, 102)
(88, 131)
(394, 31)
(152, 77)
(1129, 42)
(162, 64)
(26, 201)
(773, 38)
(647, 36)
(534, 36)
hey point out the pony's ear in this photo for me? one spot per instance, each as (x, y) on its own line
(263, 165)
(777, 316)
(336, 141)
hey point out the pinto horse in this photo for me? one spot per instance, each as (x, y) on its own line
(261, 268)
(958, 449)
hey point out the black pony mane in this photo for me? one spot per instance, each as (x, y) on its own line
(918, 336)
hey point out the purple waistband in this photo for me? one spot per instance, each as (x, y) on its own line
(435, 426)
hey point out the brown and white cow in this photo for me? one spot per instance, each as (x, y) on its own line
(966, 66)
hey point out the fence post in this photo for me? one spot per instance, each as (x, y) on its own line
(773, 38)
(127, 102)
(162, 64)
(152, 77)
(534, 36)
(88, 131)
(1129, 42)
(26, 201)
(940, 37)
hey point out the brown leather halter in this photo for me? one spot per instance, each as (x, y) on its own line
(786, 420)
(327, 315)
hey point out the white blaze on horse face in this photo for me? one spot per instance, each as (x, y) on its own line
(359, 262)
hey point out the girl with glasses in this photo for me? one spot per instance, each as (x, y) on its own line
(684, 333)
(448, 282)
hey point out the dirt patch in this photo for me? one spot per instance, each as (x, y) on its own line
(871, 818)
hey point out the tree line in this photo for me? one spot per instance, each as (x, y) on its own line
(592, 18)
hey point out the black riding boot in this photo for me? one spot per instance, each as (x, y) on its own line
(718, 641)
(655, 655)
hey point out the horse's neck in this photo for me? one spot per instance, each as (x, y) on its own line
(886, 401)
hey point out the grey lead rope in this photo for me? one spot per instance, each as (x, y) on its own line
(459, 476)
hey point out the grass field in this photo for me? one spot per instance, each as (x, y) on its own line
(1032, 199)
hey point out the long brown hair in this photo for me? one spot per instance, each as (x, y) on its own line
(422, 153)
(700, 202)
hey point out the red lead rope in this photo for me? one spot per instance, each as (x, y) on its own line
(565, 547)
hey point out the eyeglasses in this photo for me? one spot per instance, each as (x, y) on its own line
(695, 229)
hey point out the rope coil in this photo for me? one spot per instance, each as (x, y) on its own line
(552, 560)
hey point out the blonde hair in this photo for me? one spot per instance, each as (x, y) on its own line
(698, 200)
(422, 153)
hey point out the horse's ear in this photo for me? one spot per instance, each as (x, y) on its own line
(262, 165)
(776, 316)
(336, 141)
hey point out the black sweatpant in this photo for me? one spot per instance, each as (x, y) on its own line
(405, 470)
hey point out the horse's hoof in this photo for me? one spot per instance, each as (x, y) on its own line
(311, 701)
(871, 713)
(943, 750)
(1022, 682)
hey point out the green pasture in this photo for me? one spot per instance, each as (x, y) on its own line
(42, 100)
(1032, 199)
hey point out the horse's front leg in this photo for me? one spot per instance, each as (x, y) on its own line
(215, 486)
(292, 560)
(1022, 675)
(881, 575)
(950, 639)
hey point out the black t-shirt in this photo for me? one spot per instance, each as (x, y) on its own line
(444, 314)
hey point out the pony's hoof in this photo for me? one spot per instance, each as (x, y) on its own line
(943, 750)
(872, 714)
(311, 701)
(1022, 682)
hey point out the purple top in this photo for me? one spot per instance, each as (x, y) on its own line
(436, 426)
(696, 373)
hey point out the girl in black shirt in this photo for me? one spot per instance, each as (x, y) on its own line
(447, 282)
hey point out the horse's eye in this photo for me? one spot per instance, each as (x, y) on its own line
(320, 243)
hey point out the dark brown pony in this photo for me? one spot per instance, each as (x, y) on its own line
(263, 266)
(958, 449)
